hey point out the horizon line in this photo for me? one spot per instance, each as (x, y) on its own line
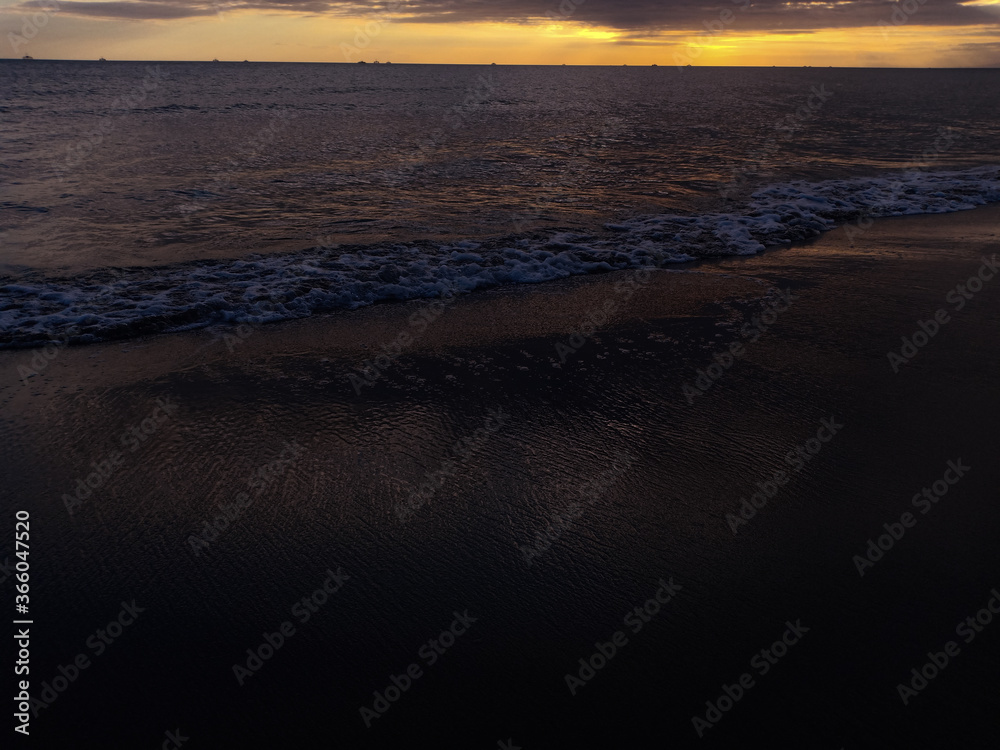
(495, 64)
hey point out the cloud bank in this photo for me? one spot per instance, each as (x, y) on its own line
(636, 19)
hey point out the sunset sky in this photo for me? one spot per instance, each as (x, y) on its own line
(935, 33)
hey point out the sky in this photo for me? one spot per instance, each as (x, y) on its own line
(861, 33)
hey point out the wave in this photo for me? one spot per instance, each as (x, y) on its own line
(121, 303)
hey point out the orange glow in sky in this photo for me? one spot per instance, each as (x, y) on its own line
(274, 36)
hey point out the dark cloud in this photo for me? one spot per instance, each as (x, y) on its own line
(666, 15)
(649, 17)
(119, 9)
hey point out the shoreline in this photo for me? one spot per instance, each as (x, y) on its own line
(122, 304)
(731, 274)
(607, 421)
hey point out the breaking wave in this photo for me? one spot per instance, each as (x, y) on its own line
(120, 303)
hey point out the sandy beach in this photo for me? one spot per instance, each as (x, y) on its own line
(523, 468)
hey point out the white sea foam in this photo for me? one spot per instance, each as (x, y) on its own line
(120, 303)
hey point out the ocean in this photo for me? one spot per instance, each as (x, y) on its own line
(144, 197)
(562, 498)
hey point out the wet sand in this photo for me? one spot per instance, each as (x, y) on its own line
(491, 461)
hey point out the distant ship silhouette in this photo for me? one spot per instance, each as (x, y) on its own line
(27, 57)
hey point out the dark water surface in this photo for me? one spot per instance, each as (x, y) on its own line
(613, 413)
(120, 164)
(138, 198)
